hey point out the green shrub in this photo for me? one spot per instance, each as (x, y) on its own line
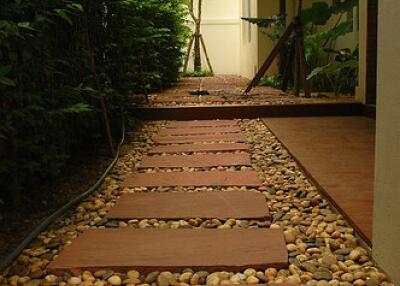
(50, 89)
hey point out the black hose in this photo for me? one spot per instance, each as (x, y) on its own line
(49, 220)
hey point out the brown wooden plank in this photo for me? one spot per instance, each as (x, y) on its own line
(196, 161)
(230, 137)
(208, 178)
(184, 205)
(201, 123)
(198, 130)
(188, 148)
(148, 250)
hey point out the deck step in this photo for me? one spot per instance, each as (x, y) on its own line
(196, 179)
(198, 161)
(189, 148)
(229, 137)
(201, 123)
(173, 250)
(198, 130)
(187, 205)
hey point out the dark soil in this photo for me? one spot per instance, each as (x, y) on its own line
(79, 176)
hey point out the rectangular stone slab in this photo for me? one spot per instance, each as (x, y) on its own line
(196, 161)
(173, 250)
(198, 131)
(189, 148)
(231, 137)
(208, 178)
(185, 205)
(201, 123)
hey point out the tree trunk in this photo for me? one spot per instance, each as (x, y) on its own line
(197, 53)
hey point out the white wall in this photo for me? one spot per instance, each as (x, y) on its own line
(222, 34)
(386, 235)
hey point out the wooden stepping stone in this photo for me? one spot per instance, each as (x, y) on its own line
(196, 179)
(230, 137)
(184, 205)
(147, 250)
(196, 161)
(198, 131)
(189, 148)
(201, 123)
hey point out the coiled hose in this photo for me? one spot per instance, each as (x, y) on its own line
(49, 220)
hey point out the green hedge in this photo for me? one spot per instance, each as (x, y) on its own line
(49, 92)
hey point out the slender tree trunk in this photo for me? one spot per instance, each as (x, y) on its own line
(197, 34)
(197, 52)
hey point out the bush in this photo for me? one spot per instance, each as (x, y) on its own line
(57, 59)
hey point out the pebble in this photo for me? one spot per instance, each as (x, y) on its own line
(252, 280)
(74, 281)
(322, 275)
(115, 280)
(164, 278)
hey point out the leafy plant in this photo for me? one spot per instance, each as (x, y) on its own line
(58, 61)
(202, 73)
(341, 74)
(319, 43)
(274, 81)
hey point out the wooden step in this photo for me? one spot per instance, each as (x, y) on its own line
(189, 148)
(198, 131)
(199, 161)
(187, 205)
(230, 137)
(201, 123)
(173, 250)
(207, 178)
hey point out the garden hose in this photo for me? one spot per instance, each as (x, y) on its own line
(49, 220)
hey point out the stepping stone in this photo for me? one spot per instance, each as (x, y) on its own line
(230, 137)
(147, 250)
(185, 205)
(196, 179)
(199, 130)
(189, 148)
(201, 123)
(196, 161)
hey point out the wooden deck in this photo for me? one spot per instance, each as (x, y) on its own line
(338, 154)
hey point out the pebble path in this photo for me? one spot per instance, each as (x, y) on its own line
(322, 247)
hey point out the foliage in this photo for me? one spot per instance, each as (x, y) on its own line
(319, 43)
(57, 59)
(274, 81)
(202, 73)
(341, 74)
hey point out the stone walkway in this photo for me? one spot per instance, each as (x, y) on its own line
(227, 91)
(159, 250)
(301, 240)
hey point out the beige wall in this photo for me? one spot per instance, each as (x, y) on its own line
(249, 46)
(221, 29)
(386, 236)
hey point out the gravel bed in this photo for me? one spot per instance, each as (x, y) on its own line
(323, 248)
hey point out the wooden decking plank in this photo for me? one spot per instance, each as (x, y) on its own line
(196, 161)
(208, 178)
(184, 205)
(230, 137)
(173, 250)
(198, 130)
(188, 148)
(201, 123)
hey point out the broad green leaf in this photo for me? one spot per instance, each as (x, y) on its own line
(63, 14)
(7, 81)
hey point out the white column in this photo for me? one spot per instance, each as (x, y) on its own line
(386, 236)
